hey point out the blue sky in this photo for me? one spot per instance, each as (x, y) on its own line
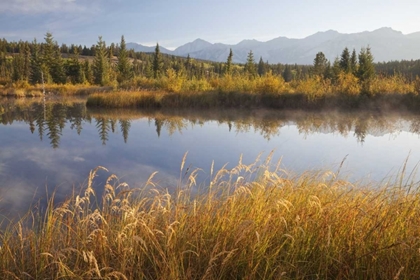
(173, 23)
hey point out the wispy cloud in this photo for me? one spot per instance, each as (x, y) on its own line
(41, 6)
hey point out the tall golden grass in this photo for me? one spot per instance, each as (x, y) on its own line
(247, 223)
(268, 91)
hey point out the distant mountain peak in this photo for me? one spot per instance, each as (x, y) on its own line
(329, 31)
(199, 40)
(387, 44)
(387, 31)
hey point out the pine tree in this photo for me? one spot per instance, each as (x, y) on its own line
(345, 63)
(27, 62)
(53, 61)
(261, 67)
(188, 66)
(287, 73)
(124, 68)
(320, 64)
(36, 64)
(88, 73)
(229, 63)
(74, 69)
(250, 68)
(353, 62)
(336, 69)
(157, 63)
(366, 71)
(47, 56)
(57, 70)
(18, 63)
(100, 64)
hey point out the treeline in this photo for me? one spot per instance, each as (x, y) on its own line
(106, 65)
(30, 63)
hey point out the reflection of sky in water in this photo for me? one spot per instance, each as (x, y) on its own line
(28, 164)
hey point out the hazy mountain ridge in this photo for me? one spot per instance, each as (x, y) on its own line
(141, 48)
(386, 44)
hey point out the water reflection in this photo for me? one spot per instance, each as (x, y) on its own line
(49, 148)
(50, 120)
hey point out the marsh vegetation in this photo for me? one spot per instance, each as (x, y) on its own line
(250, 222)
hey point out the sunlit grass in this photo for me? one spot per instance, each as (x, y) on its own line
(247, 223)
(23, 89)
(268, 91)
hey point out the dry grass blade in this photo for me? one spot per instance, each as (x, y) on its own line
(269, 227)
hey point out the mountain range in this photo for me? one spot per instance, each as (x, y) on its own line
(386, 44)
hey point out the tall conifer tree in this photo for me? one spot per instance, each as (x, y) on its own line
(353, 62)
(229, 63)
(36, 64)
(101, 64)
(157, 63)
(320, 64)
(366, 71)
(345, 63)
(250, 68)
(124, 68)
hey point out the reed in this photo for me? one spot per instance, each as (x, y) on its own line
(249, 222)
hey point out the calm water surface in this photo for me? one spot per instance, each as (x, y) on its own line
(54, 146)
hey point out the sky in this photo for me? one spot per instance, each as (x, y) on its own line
(174, 23)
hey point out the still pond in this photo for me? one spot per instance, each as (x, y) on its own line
(52, 146)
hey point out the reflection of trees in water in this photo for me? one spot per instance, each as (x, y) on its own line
(125, 128)
(267, 123)
(360, 129)
(48, 120)
(103, 126)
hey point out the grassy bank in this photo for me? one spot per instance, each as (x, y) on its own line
(217, 99)
(249, 223)
(267, 91)
(22, 89)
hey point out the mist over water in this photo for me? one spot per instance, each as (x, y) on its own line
(53, 148)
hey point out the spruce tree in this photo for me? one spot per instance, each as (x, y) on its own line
(101, 64)
(74, 69)
(57, 70)
(353, 62)
(287, 73)
(336, 69)
(250, 68)
(124, 68)
(36, 64)
(157, 63)
(261, 67)
(366, 71)
(320, 64)
(27, 61)
(345, 63)
(18, 63)
(53, 61)
(229, 63)
(188, 66)
(88, 73)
